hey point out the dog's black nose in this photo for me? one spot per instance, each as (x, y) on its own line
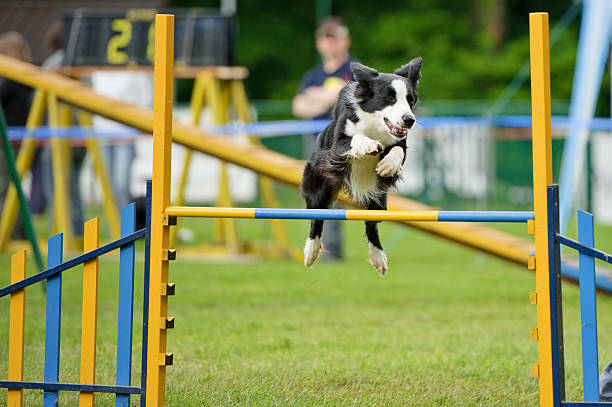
(408, 120)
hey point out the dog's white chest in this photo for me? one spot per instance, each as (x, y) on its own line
(363, 182)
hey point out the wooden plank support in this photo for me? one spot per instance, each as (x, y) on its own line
(16, 329)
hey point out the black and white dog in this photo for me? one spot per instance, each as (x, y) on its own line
(362, 149)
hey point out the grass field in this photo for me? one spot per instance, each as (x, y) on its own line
(445, 327)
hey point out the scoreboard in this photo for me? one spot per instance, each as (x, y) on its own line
(126, 38)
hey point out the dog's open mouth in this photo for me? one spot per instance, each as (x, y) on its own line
(396, 131)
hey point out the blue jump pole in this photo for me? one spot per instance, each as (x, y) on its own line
(588, 310)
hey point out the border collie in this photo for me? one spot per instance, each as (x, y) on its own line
(362, 150)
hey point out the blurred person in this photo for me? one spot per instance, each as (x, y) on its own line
(321, 85)
(15, 99)
(54, 39)
(317, 96)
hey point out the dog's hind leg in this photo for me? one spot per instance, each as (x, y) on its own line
(313, 246)
(378, 258)
(318, 195)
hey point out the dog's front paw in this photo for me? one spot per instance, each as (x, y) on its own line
(374, 148)
(391, 164)
(378, 259)
(312, 249)
(367, 147)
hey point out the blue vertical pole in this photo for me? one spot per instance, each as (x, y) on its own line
(126, 305)
(556, 310)
(53, 319)
(145, 299)
(588, 310)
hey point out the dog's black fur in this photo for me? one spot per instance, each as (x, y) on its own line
(362, 110)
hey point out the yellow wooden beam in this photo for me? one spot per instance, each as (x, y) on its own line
(542, 177)
(89, 317)
(16, 329)
(160, 236)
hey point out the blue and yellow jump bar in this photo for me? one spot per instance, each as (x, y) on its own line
(350, 214)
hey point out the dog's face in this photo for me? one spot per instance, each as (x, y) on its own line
(389, 98)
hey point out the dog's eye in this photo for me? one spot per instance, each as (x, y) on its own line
(391, 99)
(410, 99)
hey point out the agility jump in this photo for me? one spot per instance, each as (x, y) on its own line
(542, 223)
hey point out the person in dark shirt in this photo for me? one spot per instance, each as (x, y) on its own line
(16, 100)
(321, 85)
(317, 96)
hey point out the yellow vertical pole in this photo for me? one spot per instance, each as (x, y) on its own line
(24, 161)
(266, 186)
(109, 204)
(219, 98)
(61, 203)
(160, 236)
(89, 317)
(542, 177)
(16, 329)
(197, 104)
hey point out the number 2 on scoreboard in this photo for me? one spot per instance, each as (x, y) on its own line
(121, 40)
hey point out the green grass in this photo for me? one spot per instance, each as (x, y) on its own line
(445, 327)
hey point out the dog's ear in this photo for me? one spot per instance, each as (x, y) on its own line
(411, 71)
(364, 76)
(362, 72)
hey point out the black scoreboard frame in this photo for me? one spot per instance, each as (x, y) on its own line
(203, 37)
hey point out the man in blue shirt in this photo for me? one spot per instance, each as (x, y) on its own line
(320, 86)
(317, 96)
